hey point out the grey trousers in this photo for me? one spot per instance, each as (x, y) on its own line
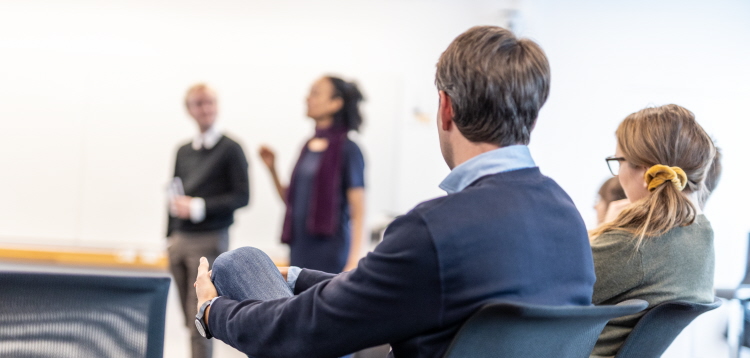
(185, 250)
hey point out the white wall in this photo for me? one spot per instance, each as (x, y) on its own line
(92, 104)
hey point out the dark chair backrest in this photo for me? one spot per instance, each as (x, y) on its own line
(656, 330)
(57, 315)
(506, 329)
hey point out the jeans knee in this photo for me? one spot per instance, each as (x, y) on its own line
(237, 257)
(248, 254)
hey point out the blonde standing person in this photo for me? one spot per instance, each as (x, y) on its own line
(213, 174)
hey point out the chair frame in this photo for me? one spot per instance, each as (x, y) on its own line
(640, 335)
(503, 314)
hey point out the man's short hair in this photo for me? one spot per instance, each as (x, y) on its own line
(497, 84)
(198, 87)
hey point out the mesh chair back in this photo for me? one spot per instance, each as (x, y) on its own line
(522, 330)
(656, 330)
(55, 315)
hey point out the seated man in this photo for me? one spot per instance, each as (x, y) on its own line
(504, 232)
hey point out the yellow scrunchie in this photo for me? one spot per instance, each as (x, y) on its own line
(659, 174)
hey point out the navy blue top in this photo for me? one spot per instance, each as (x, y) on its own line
(513, 236)
(318, 252)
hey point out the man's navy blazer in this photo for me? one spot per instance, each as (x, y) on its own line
(512, 236)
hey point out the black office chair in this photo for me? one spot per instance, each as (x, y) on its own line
(56, 315)
(656, 330)
(518, 330)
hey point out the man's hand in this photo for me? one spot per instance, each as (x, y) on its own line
(204, 288)
(181, 206)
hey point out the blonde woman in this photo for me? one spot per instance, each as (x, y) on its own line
(660, 247)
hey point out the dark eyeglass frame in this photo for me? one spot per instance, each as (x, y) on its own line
(619, 161)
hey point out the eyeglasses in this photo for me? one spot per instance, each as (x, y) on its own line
(614, 164)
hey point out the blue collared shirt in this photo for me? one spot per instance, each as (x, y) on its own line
(291, 277)
(500, 160)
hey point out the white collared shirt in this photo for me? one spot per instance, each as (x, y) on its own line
(207, 139)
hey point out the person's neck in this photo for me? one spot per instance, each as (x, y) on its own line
(204, 130)
(693, 197)
(324, 123)
(462, 153)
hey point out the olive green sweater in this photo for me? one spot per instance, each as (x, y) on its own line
(678, 265)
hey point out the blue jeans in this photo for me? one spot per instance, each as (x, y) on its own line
(248, 273)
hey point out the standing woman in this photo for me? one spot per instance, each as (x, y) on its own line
(659, 248)
(323, 225)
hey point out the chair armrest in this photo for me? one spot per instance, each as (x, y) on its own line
(725, 293)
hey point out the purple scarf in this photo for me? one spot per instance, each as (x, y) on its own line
(325, 200)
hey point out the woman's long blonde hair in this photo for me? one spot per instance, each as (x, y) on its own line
(666, 135)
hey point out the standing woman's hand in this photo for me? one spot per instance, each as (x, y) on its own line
(269, 159)
(268, 156)
(356, 198)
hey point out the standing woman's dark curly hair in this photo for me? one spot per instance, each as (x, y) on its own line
(349, 115)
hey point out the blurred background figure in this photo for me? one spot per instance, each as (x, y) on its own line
(609, 192)
(323, 224)
(210, 183)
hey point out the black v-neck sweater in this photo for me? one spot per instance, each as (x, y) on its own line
(218, 175)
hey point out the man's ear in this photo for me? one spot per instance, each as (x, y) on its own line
(445, 111)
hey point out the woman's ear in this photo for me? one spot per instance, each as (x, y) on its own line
(642, 171)
(336, 104)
